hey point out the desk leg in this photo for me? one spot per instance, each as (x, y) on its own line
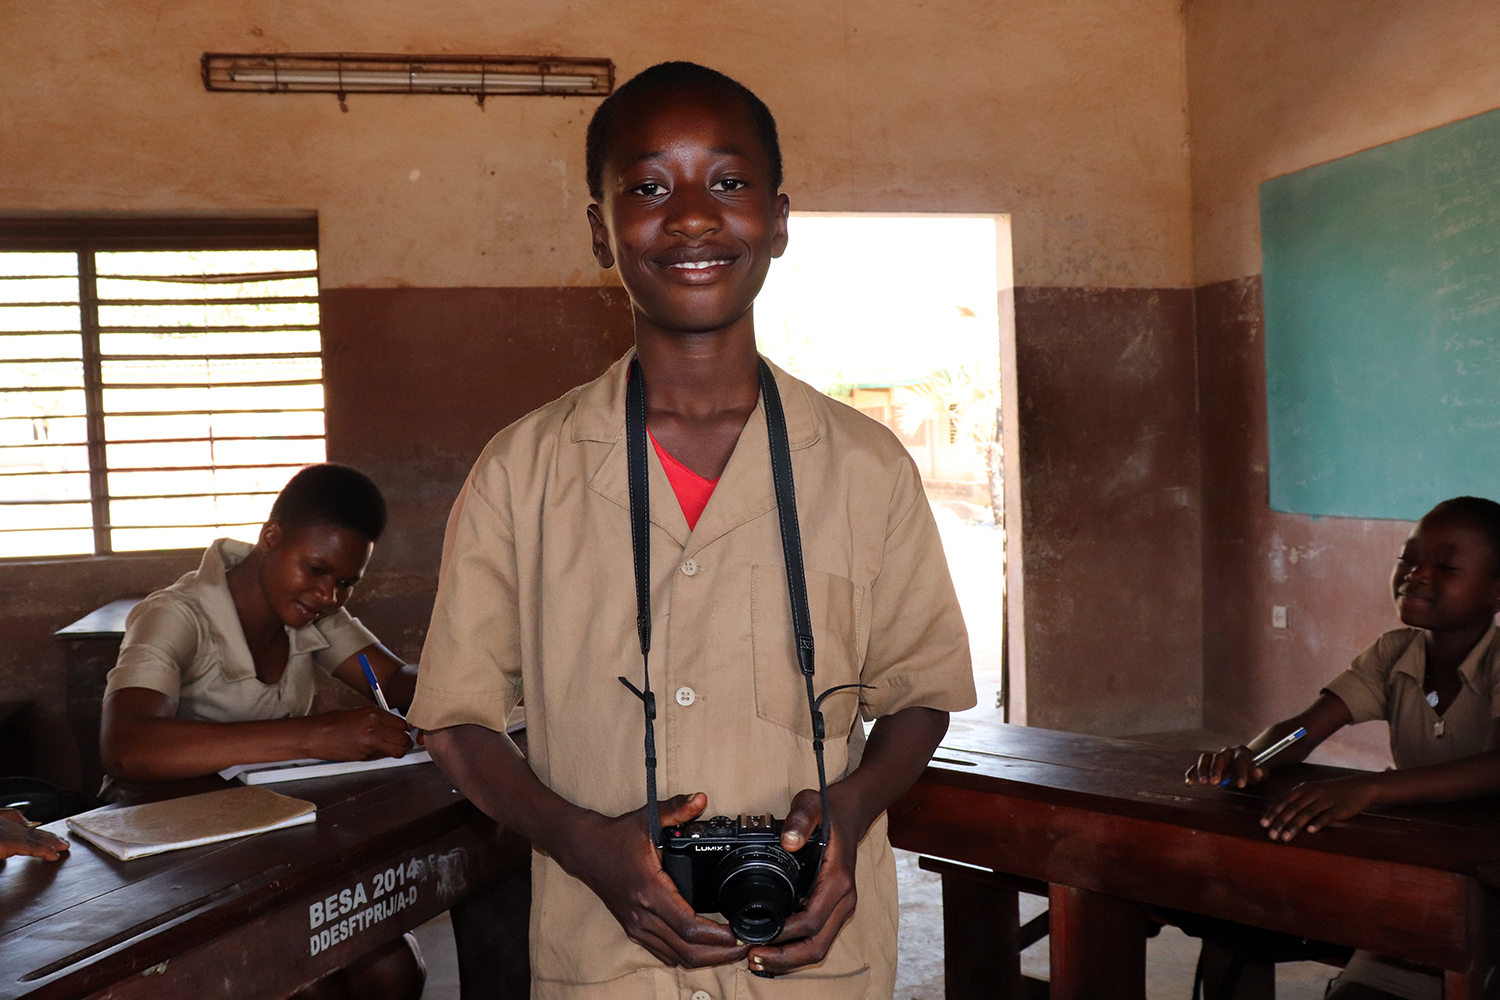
(1098, 946)
(490, 933)
(981, 954)
(1482, 979)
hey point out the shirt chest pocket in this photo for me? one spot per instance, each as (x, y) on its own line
(834, 604)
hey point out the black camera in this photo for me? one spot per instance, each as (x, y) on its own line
(739, 868)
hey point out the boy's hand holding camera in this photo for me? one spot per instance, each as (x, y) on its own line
(898, 750)
(614, 856)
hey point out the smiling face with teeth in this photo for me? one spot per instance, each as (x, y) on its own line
(689, 214)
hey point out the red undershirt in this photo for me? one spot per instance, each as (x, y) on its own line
(692, 489)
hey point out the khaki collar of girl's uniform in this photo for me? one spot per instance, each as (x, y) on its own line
(210, 588)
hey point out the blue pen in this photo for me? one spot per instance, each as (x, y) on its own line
(1266, 754)
(374, 684)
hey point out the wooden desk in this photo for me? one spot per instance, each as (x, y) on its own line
(93, 644)
(1111, 826)
(239, 919)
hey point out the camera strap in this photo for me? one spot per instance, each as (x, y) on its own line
(796, 578)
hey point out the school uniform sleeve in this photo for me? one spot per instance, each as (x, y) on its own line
(1365, 687)
(345, 636)
(161, 640)
(471, 662)
(918, 652)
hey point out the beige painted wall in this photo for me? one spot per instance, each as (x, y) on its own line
(1279, 85)
(1070, 114)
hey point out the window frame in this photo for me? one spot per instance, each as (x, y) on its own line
(87, 234)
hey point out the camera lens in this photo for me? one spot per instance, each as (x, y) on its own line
(757, 890)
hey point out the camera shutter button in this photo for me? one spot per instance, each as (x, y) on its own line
(689, 568)
(686, 696)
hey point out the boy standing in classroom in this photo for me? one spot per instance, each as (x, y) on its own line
(537, 596)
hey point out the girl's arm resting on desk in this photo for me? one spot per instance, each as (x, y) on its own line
(1322, 719)
(141, 738)
(613, 856)
(1315, 804)
(397, 680)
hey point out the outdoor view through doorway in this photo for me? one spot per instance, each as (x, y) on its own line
(899, 316)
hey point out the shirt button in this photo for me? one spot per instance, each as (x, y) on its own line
(686, 696)
(688, 569)
(700, 995)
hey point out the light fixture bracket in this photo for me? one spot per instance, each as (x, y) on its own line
(367, 73)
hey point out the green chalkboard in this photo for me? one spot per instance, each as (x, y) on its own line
(1382, 305)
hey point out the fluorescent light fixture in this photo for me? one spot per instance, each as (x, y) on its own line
(479, 76)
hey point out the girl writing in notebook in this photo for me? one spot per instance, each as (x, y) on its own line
(252, 658)
(1436, 681)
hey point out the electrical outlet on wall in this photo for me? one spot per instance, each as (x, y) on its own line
(1278, 616)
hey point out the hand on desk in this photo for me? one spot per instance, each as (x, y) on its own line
(358, 734)
(1230, 766)
(1313, 805)
(809, 932)
(18, 838)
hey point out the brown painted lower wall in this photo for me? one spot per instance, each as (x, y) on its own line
(1110, 515)
(36, 599)
(418, 380)
(1331, 574)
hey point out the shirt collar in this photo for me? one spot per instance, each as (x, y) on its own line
(599, 413)
(1470, 667)
(744, 490)
(210, 586)
(1413, 662)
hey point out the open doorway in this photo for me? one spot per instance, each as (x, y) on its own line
(909, 319)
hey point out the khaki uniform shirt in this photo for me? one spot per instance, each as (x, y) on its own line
(1385, 682)
(186, 642)
(537, 596)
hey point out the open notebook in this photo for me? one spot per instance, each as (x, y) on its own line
(297, 770)
(190, 821)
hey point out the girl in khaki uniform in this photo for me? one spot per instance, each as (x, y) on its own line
(1437, 682)
(536, 596)
(252, 658)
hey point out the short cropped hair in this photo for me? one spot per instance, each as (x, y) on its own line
(1483, 512)
(331, 494)
(675, 75)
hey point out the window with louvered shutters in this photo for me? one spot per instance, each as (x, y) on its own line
(153, 398)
